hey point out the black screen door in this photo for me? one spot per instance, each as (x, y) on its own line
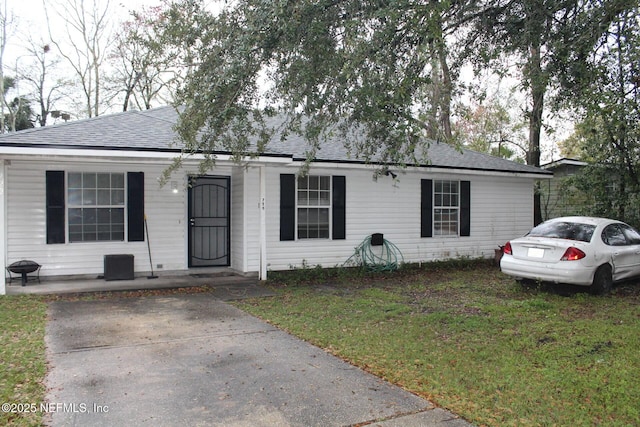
(209, 230)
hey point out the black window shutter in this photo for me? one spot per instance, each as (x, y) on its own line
(426, 208)
(135, 206)
(55, 206)
(287, 206)
(339, 207)
(465, 208)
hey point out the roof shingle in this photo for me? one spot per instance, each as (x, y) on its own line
(153, 130)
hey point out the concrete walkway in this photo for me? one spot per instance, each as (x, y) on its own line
(224, 285)
(192, 359)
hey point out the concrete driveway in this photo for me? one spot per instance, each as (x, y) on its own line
(191, 359)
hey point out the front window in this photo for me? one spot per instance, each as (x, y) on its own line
(313, 206)
(446, 208)
(96, 206)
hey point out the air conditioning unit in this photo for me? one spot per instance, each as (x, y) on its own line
(118, 267)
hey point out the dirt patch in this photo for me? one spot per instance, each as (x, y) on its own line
(128, 294)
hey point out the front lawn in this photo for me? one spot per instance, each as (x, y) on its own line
(22, 359)
(471, 340)
(460, 334)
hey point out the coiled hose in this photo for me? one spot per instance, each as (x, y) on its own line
(387, 257)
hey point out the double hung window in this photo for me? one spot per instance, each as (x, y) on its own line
(313, 206)
(446, 208)
(96, 206)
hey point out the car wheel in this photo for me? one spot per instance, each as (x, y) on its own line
(602, 280)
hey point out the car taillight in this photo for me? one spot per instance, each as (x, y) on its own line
(507, 249)
(573, 254)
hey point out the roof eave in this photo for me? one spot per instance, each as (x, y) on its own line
(542, 174)
(170, 154)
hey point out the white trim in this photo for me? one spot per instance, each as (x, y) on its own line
(263, 224)
(245, 221)
(418, 169)
(434, 208)
(3, 226)
(105, 155)
(572, 162)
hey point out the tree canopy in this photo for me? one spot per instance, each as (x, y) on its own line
(606, 97)
(326, 67)
(378, 74)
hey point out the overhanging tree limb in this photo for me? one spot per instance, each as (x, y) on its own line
(343, 65)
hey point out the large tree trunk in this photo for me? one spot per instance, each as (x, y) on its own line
(447, 89)
(538, 87)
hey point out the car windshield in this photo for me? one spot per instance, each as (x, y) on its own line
(564, 230)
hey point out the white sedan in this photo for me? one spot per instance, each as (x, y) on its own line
(576, 250)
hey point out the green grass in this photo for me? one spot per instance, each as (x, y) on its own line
(22, 357)
(475, 342)
(460, 334)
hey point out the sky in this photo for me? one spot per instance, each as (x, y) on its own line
(30, 20)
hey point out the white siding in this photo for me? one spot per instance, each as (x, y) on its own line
(166, 213)
(501, 208)
(238, 244)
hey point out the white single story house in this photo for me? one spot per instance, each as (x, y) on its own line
(75, 192)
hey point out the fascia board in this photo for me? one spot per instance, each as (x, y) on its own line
(424, 170)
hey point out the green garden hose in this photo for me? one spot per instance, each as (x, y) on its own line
(386, 257)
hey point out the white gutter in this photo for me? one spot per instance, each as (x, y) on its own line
(560, 162)
(33, 153)
(423, 170)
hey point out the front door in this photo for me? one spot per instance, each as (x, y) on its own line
(209, 222)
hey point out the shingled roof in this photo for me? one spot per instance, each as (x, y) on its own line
(152, 130)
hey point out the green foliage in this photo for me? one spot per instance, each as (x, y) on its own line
(377, 77)
(608, 135)
(327, 69)
(545, 38)
(476, 343)
(20, 115)
(306, 274)
(314, 275)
